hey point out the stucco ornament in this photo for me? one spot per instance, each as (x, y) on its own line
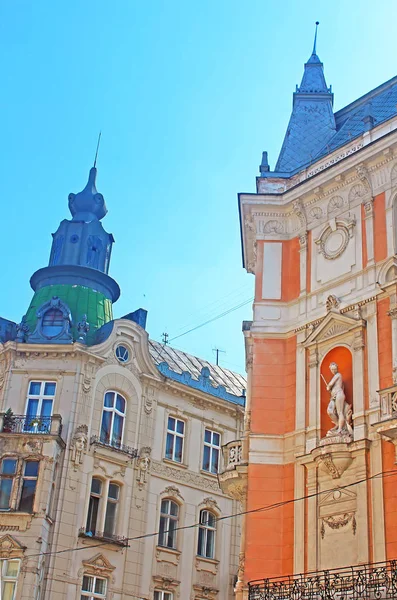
(79, 444)
(335, 237)
(339, 410)
(143, 465)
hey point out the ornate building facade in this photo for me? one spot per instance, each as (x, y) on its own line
(110, 443)
(319, 446)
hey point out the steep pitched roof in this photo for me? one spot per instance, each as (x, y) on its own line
(181, 362)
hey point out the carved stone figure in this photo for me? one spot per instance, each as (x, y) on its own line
(22, 330)
(83, 328)
(143, 464)
(79, 444)
(339, 410)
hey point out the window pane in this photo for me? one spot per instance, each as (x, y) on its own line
(9, 466)
(215, 460)
(114, 491)
(31, 468)
(165, 506)
(110, 518)
(211, 519)
(46, 408)
(96, 486)
(87, 583)
(49, 389)
(171, 535)
(209, 551)
(27, 496)
(8, 590)
(34, 388)
(105, 427)
(206, 458)
(171, 423)
(5, 493)
(200, 541)
(109, 399)
(216, 439)
(178, 449)
(11, 568)
(174, 509)
(207, 436)
(31, 410)
(92, 515)
(180, 426)
(162, 528)
(100, 586)
(117, 429)
(169, 447)
(120, 403)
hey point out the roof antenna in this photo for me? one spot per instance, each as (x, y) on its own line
(315, 38)
(97, 148)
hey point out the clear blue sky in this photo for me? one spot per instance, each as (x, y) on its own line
(187, 95)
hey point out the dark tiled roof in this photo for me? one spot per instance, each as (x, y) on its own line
(181, 362)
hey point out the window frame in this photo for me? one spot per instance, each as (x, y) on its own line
(40, 398)
(19, 477)
(93, 595)
(13, 477)
(167, 517)
(6, 578)
(211, 447)
(175, 434)
(113, 411)
(102, 511)
(205, 528)
(162, 595)
(23, 478)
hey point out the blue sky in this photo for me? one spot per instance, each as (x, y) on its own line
(187, 96)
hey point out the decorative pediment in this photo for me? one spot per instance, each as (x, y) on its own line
(210, 503)
(10, 547)
(99, 565)
(172, 491)
(337, 495)
(332, 326)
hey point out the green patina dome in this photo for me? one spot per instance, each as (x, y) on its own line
(80, 300)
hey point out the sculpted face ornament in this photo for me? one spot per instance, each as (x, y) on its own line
(339, 410)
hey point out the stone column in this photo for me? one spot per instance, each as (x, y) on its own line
(360, 428)
(312, 518)
(369, 229)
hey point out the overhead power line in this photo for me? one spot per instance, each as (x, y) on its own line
(265, 508)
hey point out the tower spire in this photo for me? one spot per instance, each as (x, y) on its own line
(315, 38)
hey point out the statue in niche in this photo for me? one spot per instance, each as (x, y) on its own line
(339, 410)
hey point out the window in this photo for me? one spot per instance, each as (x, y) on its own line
(206, 537)
(29, 482)
(93, 507)
(113, 419)
(212, 444)
(39, 406)
(122, 354)
(111, 509)
(9, 576)
(8, 471)
(160, 595)
(93, 587)
(168, 523)
(175, 435)
(52, 323)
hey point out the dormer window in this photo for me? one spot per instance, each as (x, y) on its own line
(52, 323)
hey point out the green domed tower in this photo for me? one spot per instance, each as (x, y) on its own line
(73, 295)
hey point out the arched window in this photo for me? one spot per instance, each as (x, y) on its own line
(52, 323)
(113, 415)
(169, 512)
(206, 537)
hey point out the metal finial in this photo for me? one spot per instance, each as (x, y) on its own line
(315, 38)
(97, 147)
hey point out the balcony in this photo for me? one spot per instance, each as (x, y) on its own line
(387, 425)
(28, 425)
(233, 477)
(118, 540)
(131, 452)
(372, 581)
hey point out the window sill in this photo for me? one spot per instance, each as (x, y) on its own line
(204, 559)
(174, 463)
(209, 474)
(168, 554)
(111, 540)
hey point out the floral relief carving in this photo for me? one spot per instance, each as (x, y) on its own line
(335, 204)
(273, 226)
(299, 211)
(199, 481)
(338, 521)
(316, 213)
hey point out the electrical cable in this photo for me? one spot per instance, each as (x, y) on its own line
(265, 508)
(226, 312)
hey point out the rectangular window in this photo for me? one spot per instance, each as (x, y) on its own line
(111, 509)
(93, 587)
(9, 577)
(39, 406)
(212, 446)
(93, 507)
(161, 595)
(29, 483)
(8, 471)
(175, 436)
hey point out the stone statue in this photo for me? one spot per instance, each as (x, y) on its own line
(339, 410)
(79, 444)
(143, 464)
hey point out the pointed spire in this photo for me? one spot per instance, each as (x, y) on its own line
(315, 38)
(88, 205)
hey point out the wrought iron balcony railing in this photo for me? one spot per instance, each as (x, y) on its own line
(132, 452)
(31, 425)
(106, 537)
(377, 581)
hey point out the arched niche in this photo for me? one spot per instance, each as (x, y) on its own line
(343, 358)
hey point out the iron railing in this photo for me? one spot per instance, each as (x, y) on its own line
(106, 537)
(377, 581)
(29, 424)
(132, 452)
